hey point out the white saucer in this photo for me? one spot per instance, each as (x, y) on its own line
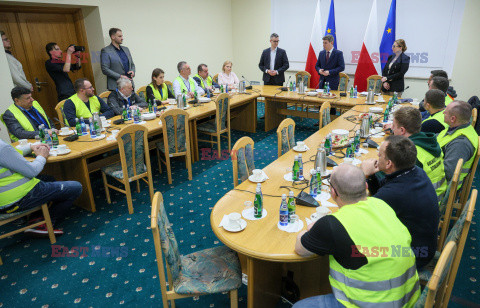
(98, 137)
(243, 225)
(251, 179)
(55, 152)
(106, 125)
(248, 214)
(204, 99)
(380, 101)
(66, 134)
(323, 196)
(292, 228)
(296, 149)
(313, 217)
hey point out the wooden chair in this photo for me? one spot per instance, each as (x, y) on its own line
(242, 159)
(446, 206)
(306, 79)
(219, 125)
(375, 82)
(434, 294)
(324, 115)
(169, 86)
(104, 95)
(135, 158)
(215, 78)
(474, 116)
(6, 218)
(176, 140)
(142, 92)
(60, 114)
(467, 184)
(343, 85)
(209, 271)
(285, 136)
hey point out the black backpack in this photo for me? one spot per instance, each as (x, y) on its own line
(474, 101)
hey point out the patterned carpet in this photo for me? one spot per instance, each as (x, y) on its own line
(120, 266)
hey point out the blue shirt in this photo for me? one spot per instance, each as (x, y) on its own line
(123, 58)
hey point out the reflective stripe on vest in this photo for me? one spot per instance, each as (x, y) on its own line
(444, 139)
(434, 168)
(387, 279)
(23, 119)
(439, 116)
(183, 87)
(209, 81)
(14, 186)
(163, 96)
(81, 110)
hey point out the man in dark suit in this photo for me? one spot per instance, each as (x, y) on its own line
(116, 60)
(274, 63)
(329, 64)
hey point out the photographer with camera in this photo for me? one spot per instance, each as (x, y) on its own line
(58, 68)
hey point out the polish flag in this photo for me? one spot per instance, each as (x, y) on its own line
(314, 48)
(366, 65)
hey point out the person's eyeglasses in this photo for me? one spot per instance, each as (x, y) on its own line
(276, 41)
(91, 87)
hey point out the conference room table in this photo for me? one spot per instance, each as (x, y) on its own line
(266, 252)
(88, 155)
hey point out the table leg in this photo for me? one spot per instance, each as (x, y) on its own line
(272, 117)
(194, 141)
(264, 283)
(246, 119)
(77, 170)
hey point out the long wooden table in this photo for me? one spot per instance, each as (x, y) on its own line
(265, 251)
(75, 166)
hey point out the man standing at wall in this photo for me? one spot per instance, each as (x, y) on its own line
(16, 68)
(274, 63)
(329, 64)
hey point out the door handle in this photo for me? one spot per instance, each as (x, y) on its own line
(39, 84)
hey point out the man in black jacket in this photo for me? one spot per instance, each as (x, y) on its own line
(274, 63)
(124, 96)
(409, 191)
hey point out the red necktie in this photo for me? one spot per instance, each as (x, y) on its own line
(328, 55)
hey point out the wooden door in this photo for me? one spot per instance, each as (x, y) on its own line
(30, 29)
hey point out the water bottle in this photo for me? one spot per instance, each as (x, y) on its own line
(291, 86)
(41, 132)
(284, 211)
(258, 202)
(328, 144)
(351, 92)
(294, 87)
(385, 116)
(313, 183)
(150, 106)
(291, 204)
(48, 139)
(93, 132)
(78, 127)
(83, 125)
(319, 181)
(54, 139)
(125, 114)
(295, 169)
(300, 169)
(356, 141)
(98, 123)
(136, 118)
(328, 88)
(355, 92)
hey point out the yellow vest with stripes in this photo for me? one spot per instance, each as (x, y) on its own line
(209, 81)
(81, 110)
(439, 116)
(183, 88)
(163, 96)
(434, 168)
(389, 279)
(24, 121)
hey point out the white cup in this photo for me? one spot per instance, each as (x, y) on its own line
(257, 174)
(321, 211)
(300, 145)
(294, 218)
(348, 160)
(65, 130)
(248, 205)
(23, 142)
(234, 221)
(115, 132)
(62, 147)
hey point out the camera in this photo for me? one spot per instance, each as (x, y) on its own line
(78, 48)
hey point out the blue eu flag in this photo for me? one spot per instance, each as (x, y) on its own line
(388, 34)
(331, 25)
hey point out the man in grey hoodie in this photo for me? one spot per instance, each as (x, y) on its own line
(16, 68)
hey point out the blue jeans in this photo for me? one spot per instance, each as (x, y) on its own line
(62, 194)
(327, 300)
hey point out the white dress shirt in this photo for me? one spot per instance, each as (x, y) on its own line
(178, 90)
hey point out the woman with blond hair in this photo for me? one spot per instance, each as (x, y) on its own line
(227, 77)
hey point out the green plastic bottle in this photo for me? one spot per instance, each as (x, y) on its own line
(296, 169)
(78, 127)
(258, 202)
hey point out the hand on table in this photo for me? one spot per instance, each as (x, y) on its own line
(369, 167)
(41, 150)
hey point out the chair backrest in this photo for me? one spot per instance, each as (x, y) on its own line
(474, 116)
(134, 152)
(343, 85)
(305, 76)
(468, 181)
(165, 244)
(60, 114)
(437, 285)
(324, 115)
(175, 131)
(446, 208)
(142, 92)
(375, 82)
(215, 78)
(169, 86)
(242, 159)
(459, 234)
(222, 119)
(285, 136)
(105, 94)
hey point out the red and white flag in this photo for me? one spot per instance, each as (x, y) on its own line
(314, 48)
(366, 67)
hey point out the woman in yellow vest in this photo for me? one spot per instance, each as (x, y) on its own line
(158, 89)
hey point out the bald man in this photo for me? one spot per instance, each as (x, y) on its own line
(459, 140)
(349, 243)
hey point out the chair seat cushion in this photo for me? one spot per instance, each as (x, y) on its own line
(426, 272)
(115, 170)
(209, 127)
(211, 270)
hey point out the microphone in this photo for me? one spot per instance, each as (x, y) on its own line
(286, 88)
(250, 86)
